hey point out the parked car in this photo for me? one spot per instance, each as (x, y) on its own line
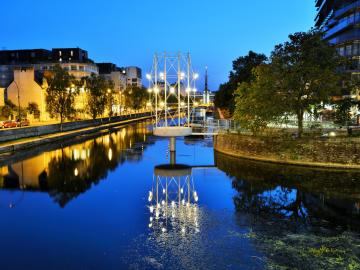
(9, 124)
(22, 123)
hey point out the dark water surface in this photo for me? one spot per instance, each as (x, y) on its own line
(103, 202)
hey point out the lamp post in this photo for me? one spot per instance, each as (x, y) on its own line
(149, 78)
(109, 92)
(18, 95)
(150, 91)
(195, 77)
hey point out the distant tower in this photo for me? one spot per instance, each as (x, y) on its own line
(206, 95)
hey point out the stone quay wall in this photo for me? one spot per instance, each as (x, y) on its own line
(35, 131)
(335, 152)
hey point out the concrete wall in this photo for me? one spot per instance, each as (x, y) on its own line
(329, 152)
(26, 132)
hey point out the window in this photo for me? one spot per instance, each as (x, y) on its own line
(348, 50)
(32, 54)
(73, 67)
(67, 68)
(342, 51)
(60, 53)
(355, 50)
(72, 53)
(81, 68)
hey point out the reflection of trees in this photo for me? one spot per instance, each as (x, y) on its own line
(299, 216)
(68, 177)
(302, 194)
(278, 203)
(72, 170)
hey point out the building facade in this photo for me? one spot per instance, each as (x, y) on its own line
(121, 77)
(133, 76)
(73, 60)
(340, 22)
(28, 87)
(22, 73)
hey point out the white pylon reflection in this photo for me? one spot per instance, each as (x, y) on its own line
(173, 200)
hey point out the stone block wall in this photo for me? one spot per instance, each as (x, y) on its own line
(328, 152)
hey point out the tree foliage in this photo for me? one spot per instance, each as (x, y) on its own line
(33, 108)
(60, 94)
(302, 74)
(242, 72)
(96, 88)
(135, 97)
(256, 105)
(110, 97)
(8, 110)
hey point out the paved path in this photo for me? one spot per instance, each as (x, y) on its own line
(25, 143)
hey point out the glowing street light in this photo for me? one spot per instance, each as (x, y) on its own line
(196, 76)
(148, 76)
(172, 90)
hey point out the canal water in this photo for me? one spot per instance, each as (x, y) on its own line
(110, 201)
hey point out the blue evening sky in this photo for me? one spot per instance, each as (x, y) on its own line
(129, 32)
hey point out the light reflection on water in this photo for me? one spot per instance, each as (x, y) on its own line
(103, 201)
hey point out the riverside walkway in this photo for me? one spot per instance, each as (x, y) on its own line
(34, 141)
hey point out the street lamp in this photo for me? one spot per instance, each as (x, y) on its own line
(110, 102)
(149, 91)
(19, 110)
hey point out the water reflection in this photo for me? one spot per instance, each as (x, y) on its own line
(301, 218)
(312, 196)
(173, 200)
(68, 171)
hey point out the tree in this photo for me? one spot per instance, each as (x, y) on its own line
(96, 88)
(60, 94)
(110, 97)
(135, 97)
(33, 108)
(242, 72)
(305, 71)
(8, 110)
(302, 74)
(256, 105)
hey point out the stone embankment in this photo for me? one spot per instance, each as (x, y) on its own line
(341, 153)
(28, 137)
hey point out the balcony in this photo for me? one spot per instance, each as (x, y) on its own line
(342, 25)
(338, 13)
(354, 34)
